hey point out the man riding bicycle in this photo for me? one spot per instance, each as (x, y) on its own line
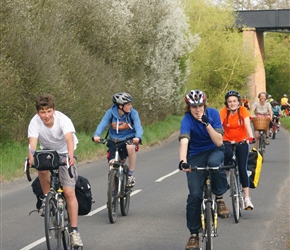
(201, 145)
(55, 131)
(277, 113)
(125, 123)
(284, 104)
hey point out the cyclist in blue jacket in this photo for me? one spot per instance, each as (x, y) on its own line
(201, 145)
(125, 123)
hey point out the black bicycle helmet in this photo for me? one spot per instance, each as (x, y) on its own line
(195, 98)
(122, 98)
(233, 93)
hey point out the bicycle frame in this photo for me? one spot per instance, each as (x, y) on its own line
(262, 142)
(117, 183)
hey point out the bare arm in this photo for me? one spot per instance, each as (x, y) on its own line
(248, 127)
(215, 136)
(32, 145)
(70, 147)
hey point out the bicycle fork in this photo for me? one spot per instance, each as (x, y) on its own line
(214, 216)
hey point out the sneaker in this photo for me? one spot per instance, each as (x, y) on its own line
(193, 242)
(267, 142)
(223, 211)
(41, 210)
(131, 181)
(75, 238)
(248, 204)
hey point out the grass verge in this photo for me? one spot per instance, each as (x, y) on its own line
(12, 155)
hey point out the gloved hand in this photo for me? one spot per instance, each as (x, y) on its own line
(182, 165)
(251, 140)
(204, 120)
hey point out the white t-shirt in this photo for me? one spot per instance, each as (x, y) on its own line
(52, 138)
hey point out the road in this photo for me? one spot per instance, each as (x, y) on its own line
(156, 218)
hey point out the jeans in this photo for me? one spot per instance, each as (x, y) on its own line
(196, 180)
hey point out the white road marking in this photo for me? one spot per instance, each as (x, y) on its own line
(168, 175)
(32, 245)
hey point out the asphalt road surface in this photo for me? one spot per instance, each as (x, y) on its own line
(156, 219)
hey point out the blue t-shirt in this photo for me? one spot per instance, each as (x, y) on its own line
(276, 110)
(200, 140)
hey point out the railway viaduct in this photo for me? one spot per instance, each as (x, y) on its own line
(253, 24)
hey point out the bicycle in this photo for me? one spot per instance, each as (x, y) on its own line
(274, 127)
(118, 188)
(235, 185)
(209, 214)
(56, 218)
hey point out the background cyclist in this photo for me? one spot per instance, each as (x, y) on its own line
(276, 109)
(125, 123)
(55, 131)
(262, 108)
(201, 145)
(246, 102)
(284, 104)
(236, 123)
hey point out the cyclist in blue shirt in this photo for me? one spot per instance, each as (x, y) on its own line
(201, 145)
(276, 109)
(125, 123)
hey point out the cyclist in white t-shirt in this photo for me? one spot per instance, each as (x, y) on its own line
(262, 108)
(55, 131)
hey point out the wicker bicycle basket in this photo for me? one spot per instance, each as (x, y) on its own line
(261, 123)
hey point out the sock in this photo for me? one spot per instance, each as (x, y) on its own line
(218, 198)
(131, 173)
(74, 228)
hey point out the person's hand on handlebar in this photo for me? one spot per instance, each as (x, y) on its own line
(184, 166)
(97, 138)
(136, 141)
(251, 140)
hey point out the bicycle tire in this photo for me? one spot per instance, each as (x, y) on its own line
(125, 196)
(209, 227)
(260, 146)
(274, 130)
(52, 223)
(65, 233)
(235, 195)
(112, 203)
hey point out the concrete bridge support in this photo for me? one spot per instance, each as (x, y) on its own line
(254, 40)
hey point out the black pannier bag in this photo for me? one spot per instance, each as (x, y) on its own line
(84, 195)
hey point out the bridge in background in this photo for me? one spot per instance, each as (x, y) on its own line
(254, 23)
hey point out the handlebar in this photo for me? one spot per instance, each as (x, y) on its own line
(183, 165)
(27, 168)
(128, 140)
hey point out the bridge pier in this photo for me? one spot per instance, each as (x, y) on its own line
(254, 40)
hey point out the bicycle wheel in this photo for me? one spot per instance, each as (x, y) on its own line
(52, 223)
(235, 195)
(125, 196)
(274, 130)
(261, 146)
(65, 233)
(113, 196)
(209, 227)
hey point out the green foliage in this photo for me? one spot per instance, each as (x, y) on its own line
(84, 51)
(285, 121)
(219, 62)
(277, 64)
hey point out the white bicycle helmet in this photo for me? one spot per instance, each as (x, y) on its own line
(195, 98)
(122, 98)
